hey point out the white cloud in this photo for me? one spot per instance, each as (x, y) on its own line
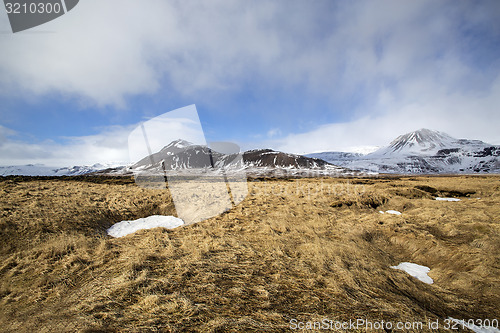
(273, 132)
(156, 133)
(4, 134)
(103, 51)
(91, 54)
(110, 145)
(117, 144)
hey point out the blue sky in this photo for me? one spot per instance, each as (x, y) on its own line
(292, 75)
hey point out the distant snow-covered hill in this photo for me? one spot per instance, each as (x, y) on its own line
(43, 170)
(336, 156)
(423, 151)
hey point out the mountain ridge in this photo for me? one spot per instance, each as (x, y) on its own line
(255, 162)
(424, 151)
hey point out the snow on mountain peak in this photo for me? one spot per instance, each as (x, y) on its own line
(179, 144)
(422, 141)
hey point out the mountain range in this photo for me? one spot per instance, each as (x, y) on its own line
(422, 152)
(182, 156)
(43, 170)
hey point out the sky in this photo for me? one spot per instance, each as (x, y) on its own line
(295, 76)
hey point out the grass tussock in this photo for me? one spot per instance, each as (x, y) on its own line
(304, 249)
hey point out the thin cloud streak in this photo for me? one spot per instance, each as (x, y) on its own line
(108, 146)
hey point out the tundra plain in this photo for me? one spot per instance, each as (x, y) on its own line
(303, 249)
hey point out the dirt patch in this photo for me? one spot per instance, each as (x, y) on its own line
(427, 189)
(445, 192)
(362, 201)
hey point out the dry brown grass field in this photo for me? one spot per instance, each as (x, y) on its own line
(304, 249)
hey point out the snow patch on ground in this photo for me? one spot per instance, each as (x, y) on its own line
(395, 212)
(475, 328)
(447, 199)
(417, 271)
(124, 228)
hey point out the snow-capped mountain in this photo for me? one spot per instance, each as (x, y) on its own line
(424, 151)
(421, 142)
(427, 142)
(179, 156)
(271, 158)
(43, 170)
